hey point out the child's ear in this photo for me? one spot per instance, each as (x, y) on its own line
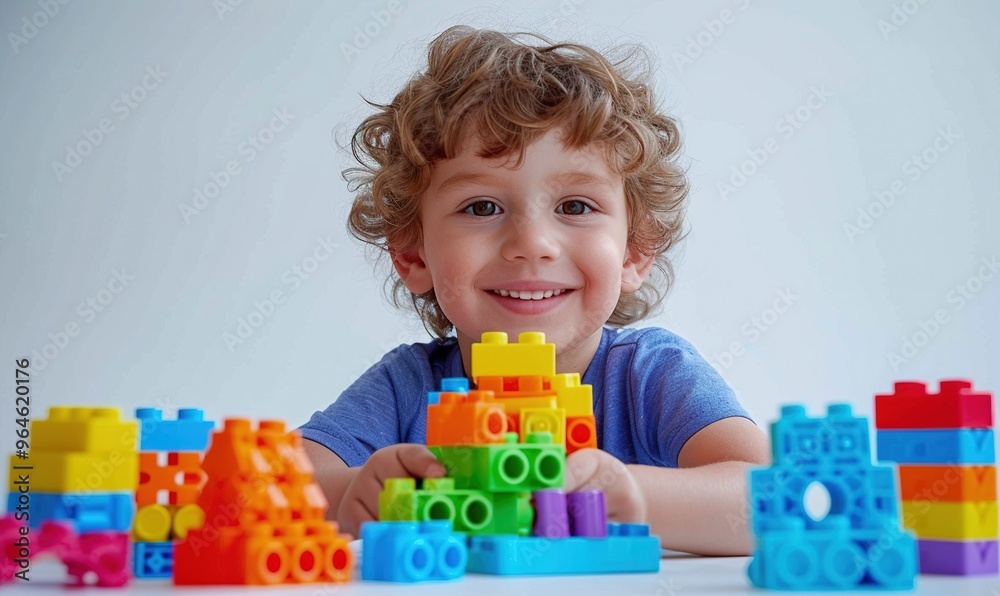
(635, 269)
(412, 269)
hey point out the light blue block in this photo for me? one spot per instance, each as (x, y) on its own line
(830, 442)
(937, 446)
(410, 552)
(88, 512)
(190, 432)
(628, 549)
(153, 559)
(448, 385)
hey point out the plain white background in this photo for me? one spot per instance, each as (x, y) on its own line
(116, 115)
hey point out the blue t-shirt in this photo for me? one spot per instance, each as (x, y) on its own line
(652, 392)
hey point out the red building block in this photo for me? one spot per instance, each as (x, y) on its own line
(581, 433)
(956, 406)
(466, 419)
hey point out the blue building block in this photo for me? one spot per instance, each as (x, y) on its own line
(153, 559)
(409, 552)
(937, 446)
(865, 494)
(834, 557)
(89, 512)
(832, 442)
(190, 432)
(449, 385)
(628, 549)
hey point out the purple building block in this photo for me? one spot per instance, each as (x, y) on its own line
(588, 515)
(551, 515)
(946, 557)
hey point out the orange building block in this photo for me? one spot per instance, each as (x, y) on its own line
(181, 478)
(264, 514)
(466, 419)
(948, 483)
(581, 433)
(505, 387)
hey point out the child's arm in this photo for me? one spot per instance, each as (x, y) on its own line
(699, 507)
(353, 492)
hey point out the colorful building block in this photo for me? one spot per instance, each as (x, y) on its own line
(835, 557)
(78, 471)
(178, 480)
(970, 520)
(509, 467)
(410, 552)
(577, 399)
(937, 446)
(462, 419)
(946, 557)
(83, 429)
(543, 420)
(955, 406)
(628, 549)
(152, 559)
(469, 511)
(159, 523)
(189, 432)
(581, 433)
(947, 483)
(449, 385)
(264, 514)
(551, 514)
(87, 512)
(531, 356)
(588, 515)
(835, 440)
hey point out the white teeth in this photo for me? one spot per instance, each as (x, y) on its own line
(536, 295)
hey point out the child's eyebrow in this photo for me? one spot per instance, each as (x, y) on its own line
(566, 178)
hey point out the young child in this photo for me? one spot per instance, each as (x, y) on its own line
(519, 187)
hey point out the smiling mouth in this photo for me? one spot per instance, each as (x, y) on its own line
(535, 295)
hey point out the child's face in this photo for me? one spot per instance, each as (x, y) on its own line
(554, 230)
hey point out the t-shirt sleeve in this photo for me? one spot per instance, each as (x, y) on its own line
(680, 392)
(365, 417)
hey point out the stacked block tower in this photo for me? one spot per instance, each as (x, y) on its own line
(859, 543)
(170, 480)
(71, 493)
(944, 445)
(264, 514)
(504, 447)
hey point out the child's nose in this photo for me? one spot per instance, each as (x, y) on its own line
(529, 238)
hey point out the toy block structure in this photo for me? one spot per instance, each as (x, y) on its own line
(408, 552)
(860, 543)
(265, 515)
(71, 495)
(504, 449)
(943, 444)
(170, 480)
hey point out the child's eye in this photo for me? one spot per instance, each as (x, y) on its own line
(482, 209)
(574, 207)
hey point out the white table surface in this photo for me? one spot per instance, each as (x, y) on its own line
(679, 575)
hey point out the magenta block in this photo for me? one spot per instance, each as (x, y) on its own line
(551, 515)
(946, 557)
(588, 516)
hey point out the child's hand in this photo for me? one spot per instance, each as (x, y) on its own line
(596, 469)
(360, 502)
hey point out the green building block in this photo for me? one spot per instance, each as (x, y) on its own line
(525, 514)
(472, 512)
(509, 467)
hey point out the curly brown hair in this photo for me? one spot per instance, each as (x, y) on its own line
(512, 91)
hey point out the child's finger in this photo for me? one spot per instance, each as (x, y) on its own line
(417, 461)
(582, 468)
(354, 513)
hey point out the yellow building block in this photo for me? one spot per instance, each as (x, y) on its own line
(186, 518)
(160, 523)
(531, 356)
(543, 420)
(76, 471)
(576, 399)
(943, 520)
(514, 405)
(84, 429)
